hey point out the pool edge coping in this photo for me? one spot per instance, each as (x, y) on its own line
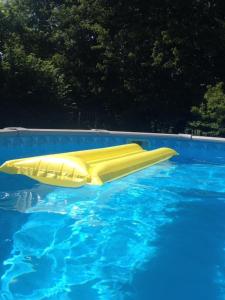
(18, 131)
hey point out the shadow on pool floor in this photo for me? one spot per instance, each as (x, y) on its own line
(189, 257)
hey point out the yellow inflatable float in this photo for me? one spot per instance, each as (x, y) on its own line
(97, 166)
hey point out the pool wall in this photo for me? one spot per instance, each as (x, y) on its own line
(21, 142)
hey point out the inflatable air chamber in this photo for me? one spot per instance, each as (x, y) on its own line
(97, 166)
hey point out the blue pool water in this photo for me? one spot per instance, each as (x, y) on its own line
(156, 234)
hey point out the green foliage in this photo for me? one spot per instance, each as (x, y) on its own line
(136, 65)
(210, 114)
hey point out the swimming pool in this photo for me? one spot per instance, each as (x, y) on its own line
(156, 234)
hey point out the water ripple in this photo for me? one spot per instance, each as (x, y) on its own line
(96, 237)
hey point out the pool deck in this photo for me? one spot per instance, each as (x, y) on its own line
(18, 131)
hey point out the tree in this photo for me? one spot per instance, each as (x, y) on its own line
(31, 87)
(210, 115)
(135, 65)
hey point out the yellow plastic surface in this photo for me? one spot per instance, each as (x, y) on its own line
(97, 166)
